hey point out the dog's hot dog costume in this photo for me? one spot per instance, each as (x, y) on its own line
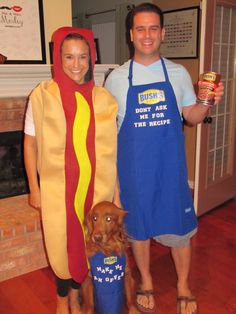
(76, 133)
(108, 279)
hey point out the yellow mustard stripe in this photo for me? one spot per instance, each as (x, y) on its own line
(80, 132)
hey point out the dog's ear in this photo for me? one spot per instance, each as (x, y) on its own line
(121, 215)
(88, 223)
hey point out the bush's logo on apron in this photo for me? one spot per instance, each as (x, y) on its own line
(151, 96)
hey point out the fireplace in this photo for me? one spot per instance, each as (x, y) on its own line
(13, 179)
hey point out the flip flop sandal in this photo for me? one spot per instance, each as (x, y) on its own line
(147, 294)
(186, 300)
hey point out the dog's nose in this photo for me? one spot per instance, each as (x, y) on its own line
(97, 237)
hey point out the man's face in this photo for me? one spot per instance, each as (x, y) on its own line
(147, 36)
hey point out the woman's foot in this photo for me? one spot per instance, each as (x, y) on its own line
(62, 305)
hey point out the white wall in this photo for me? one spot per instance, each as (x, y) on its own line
(91, 6)
(99, 5)
(57, 13)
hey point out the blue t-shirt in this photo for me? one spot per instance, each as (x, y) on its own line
(117, 83)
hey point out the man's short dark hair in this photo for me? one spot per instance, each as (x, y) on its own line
(146, 7)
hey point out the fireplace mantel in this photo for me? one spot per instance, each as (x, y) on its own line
(18, 80)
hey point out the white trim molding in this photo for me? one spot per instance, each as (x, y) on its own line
(18, 80)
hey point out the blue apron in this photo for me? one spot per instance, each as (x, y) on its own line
(108, 280)
(151, 163)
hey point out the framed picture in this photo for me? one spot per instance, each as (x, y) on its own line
(98, 57)
(51, 52)
(22, 31)
(181, 33)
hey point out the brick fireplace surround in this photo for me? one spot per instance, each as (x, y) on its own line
(21, 240)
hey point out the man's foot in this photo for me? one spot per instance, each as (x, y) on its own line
(62, 305)
(145, 301)
(186, 302)
(186, 305)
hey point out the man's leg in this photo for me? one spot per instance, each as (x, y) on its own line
(141, 251)
(182, 261)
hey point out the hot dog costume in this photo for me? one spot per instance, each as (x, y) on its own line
(75, 128)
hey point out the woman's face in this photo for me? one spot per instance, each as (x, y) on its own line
(75, 59)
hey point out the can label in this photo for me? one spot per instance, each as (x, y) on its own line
(207, 86)
(209, 76)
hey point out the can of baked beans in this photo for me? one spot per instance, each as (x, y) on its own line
(206, 87)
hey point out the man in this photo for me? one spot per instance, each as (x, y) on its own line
(152, 94)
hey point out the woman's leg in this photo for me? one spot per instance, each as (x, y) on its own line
(62, 295)
(141, 251)
(74, 297)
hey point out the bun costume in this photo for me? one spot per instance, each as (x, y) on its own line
(75, 129)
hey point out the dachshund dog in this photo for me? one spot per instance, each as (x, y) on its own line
(109, 280)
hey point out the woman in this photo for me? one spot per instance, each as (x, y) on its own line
(70, 142)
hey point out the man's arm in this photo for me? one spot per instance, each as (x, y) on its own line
(196, 113)
(30, 158)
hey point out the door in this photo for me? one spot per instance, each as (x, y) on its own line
(215, 173)
(105, 34)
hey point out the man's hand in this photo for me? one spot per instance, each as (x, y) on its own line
(219, 93)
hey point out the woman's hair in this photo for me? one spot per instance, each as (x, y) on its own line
(89, 74)
(146, 7)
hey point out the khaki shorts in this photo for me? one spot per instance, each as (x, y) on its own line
(173, 240)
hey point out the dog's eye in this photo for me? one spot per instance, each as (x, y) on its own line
(108, 219)
(95, 218)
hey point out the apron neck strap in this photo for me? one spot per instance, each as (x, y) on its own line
(130, 77)
(164, 70)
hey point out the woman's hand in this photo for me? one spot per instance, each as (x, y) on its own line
(34, 199)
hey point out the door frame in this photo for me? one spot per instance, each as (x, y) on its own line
(216, 195)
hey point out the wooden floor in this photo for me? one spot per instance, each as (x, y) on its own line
(213, 276)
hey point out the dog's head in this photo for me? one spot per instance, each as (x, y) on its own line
(104, 224)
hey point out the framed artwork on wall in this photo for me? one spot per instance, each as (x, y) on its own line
(181, 33)
(51, 52)
(98, 57)
(22, 31)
